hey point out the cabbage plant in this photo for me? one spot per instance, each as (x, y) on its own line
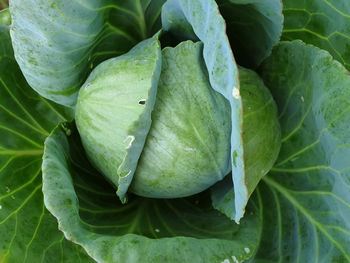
(175, 131)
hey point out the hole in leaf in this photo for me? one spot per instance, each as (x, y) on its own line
(142, 102)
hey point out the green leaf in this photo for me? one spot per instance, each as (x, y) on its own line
(306, 196)
(28, 231)
(187, 16)
(143, 230)
(324, 24)
(113, 112)
(253, 27)
(187, 147)
(5, 17)
(261, 132)
(58, 42)
(261, 135)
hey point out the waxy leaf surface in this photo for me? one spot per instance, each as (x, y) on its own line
(306, 195)
(184, 18)
(58, 42)
(253, 28)
(28, 231)
(323, 23)
(143, 230)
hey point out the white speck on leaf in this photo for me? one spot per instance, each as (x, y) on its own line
(235, 259)
(157, 230)
(13, 197)
(144, 61)
(8, 190)
(188, 149)
(132, 139)
(0, 207)
(247, 250)
(226, 261)
(235, 93)
(302, 98)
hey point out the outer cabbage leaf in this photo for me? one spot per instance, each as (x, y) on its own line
(306, 196)
(28, 231)
(58, 42)
(143, 230)
(253, 27)
(323, 23)
(184, 18)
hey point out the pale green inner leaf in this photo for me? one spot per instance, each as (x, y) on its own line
(113, 112)
(187, 149)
